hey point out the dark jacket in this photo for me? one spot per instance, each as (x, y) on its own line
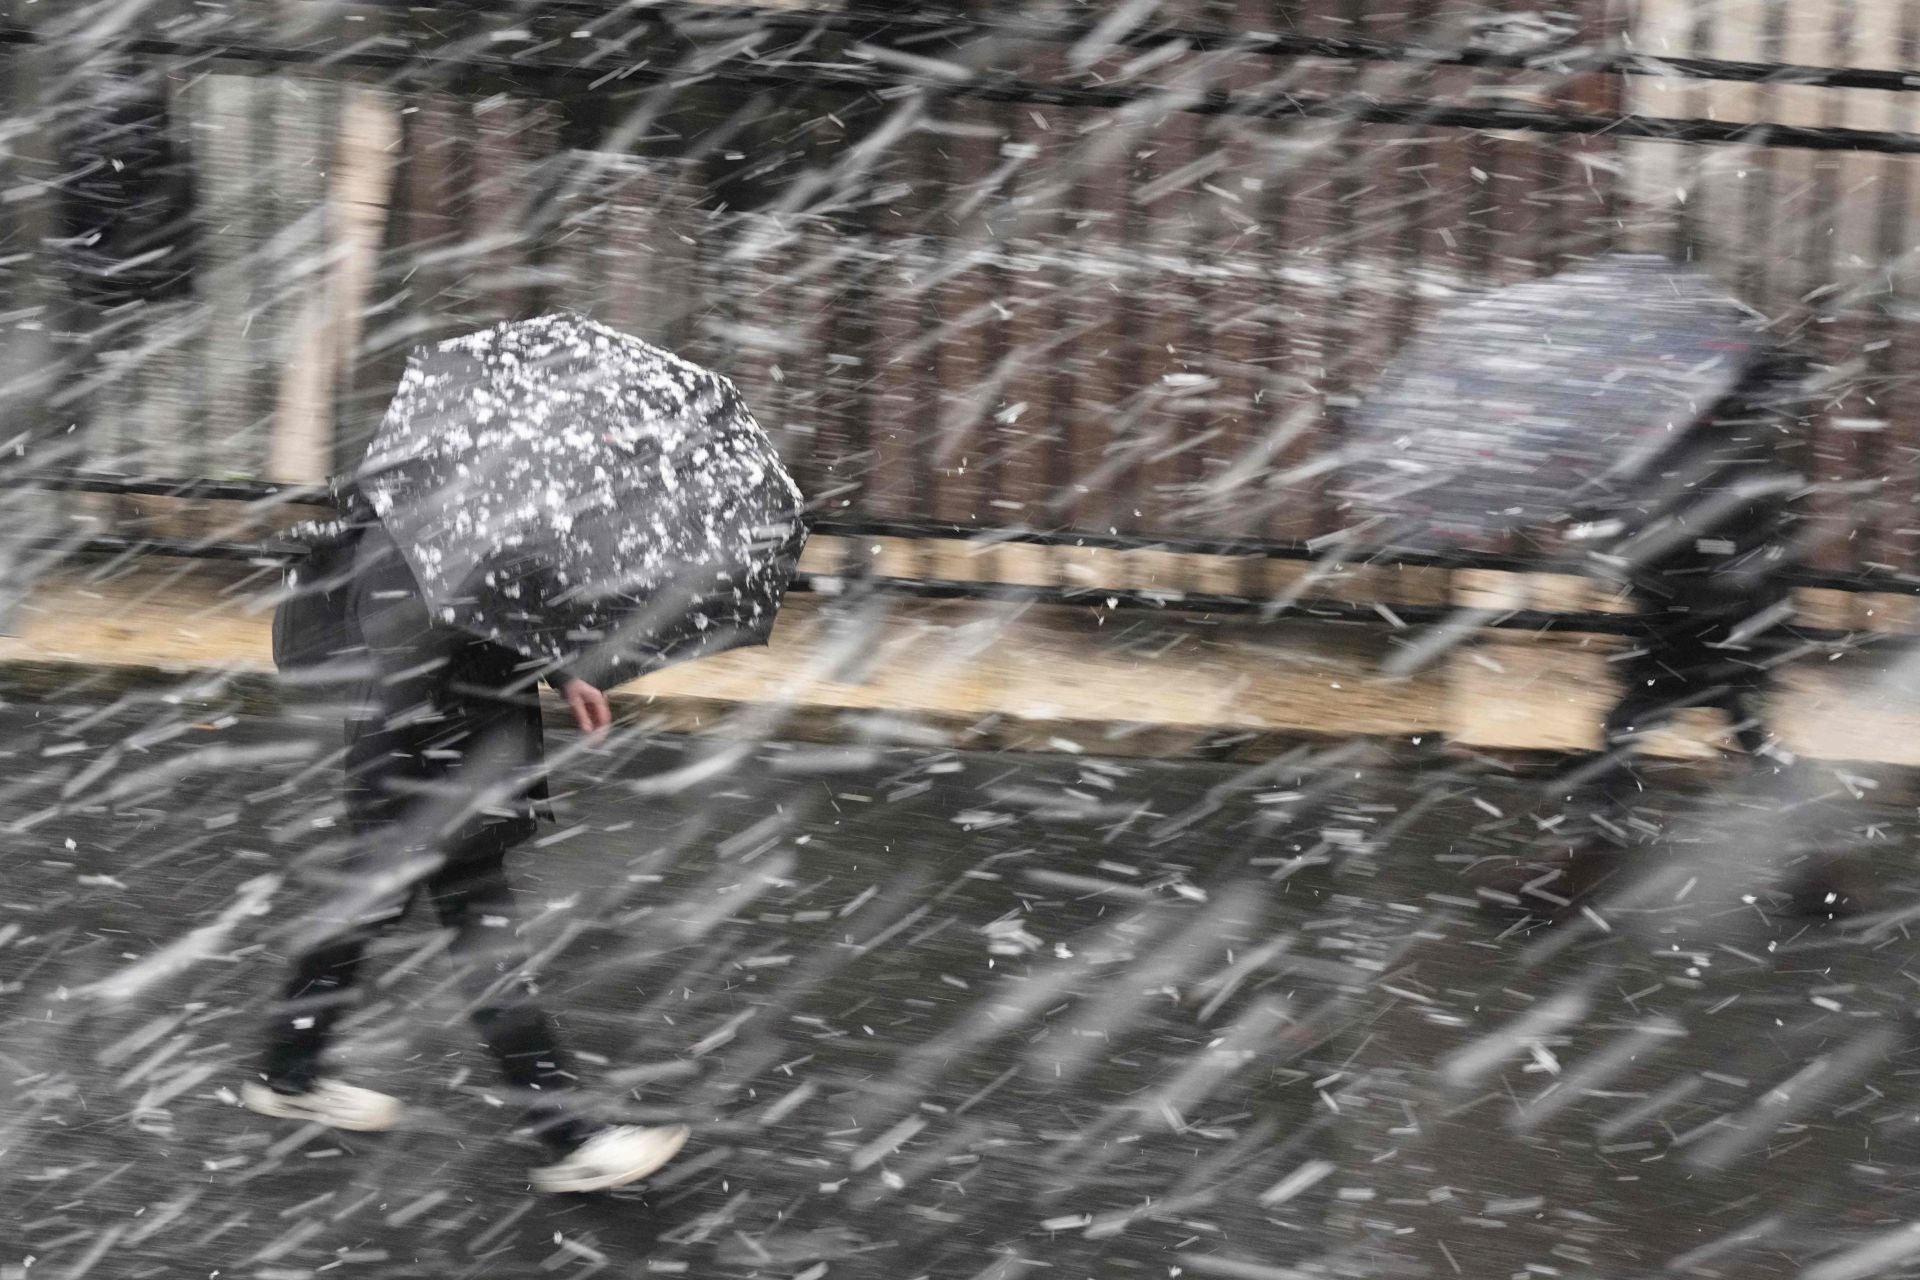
(352, 586)
(1716, 536)
(438, 707)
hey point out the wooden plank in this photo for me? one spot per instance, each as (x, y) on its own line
(1092, 388)
(902, 395)
(326, 336)
(963, 443)
(222, 110)
(1025, 218)
(1028, 678)
(1172, 356)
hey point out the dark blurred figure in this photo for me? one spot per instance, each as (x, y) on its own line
(1705, 555)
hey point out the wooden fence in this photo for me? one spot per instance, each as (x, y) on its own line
(992, 310)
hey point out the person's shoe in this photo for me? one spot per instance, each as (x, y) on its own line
(614, 1158)
(329, 1102)
(1829, 889)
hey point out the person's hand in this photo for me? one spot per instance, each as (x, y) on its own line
(589, 706)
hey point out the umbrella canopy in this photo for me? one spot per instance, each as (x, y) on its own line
(1544, 402)
(584, 497)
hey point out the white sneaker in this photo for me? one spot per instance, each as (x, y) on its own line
(612, 1159)
(329, 1102)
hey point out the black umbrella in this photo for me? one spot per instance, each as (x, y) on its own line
(1544, 402)
(585, 498)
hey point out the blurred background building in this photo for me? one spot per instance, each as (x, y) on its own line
(1116, 268)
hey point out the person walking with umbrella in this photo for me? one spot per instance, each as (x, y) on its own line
(546, 500)
(1704, 549)
(1630, 409)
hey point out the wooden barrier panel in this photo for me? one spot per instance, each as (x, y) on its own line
(1007, 675)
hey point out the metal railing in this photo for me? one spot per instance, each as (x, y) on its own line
(858, 579)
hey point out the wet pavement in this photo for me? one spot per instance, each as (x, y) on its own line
(938, 1014)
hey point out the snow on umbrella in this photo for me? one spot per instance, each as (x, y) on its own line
(585, 498)
(1543, 402)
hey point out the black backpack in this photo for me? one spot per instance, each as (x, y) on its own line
(314, 633)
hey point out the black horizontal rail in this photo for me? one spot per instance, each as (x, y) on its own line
(952, 25)
(1111, 598)
(1000, 87)
(269, 492)
(260, 491)
(1266, 549)
(128, 545)
(1135, 598)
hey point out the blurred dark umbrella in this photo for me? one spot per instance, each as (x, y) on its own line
(584, 497)
(1544, 403)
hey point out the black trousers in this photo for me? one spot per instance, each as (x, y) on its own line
(436, 798)
(1678, 664)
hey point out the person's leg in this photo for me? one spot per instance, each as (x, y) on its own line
(316, 994)
(474, 899)
(1600, 795)
(1743, 708)
(292, 1082)
(1603, 792)
(1819, 883)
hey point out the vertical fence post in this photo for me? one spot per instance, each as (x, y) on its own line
(31, 363)
(326, 333)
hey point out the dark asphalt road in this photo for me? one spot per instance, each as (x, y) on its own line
(939, 1015)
